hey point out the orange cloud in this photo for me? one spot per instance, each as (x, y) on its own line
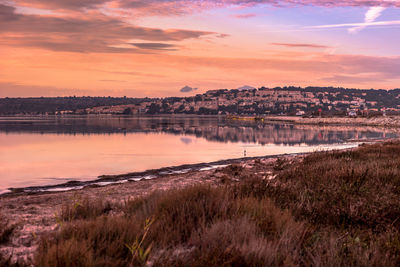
(301, 45)
(86, 47)
(95, 33)
(63, 73)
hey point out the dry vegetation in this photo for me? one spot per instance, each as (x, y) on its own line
(330, 209)
(6, 230)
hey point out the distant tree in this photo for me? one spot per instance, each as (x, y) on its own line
(127, 111)
(154, 108)
(198, 98)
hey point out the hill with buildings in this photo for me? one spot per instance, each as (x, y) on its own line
(261, 101)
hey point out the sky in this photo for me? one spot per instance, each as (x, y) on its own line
(153, 48)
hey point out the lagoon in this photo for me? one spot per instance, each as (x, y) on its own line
(49, 150)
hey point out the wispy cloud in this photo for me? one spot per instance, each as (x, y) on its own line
(180, 7)
(245, 16)
(113, 81)
(176, 7)
(301, 45)
(372, 14)
(154, 46)
(354, 25)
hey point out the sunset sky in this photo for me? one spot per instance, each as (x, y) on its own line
(153, 48)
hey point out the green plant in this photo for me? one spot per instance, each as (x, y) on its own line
(138, 252)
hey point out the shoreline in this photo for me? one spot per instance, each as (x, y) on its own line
(378, 121)
(154, 174)
(36, 213)
(151, 174)
(381, 121)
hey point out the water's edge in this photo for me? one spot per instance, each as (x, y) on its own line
(104, 180)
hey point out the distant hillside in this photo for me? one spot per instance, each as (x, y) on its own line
(243, 101)
(50, 105)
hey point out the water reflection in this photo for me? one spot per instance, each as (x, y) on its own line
(211, 128)
(186, 140)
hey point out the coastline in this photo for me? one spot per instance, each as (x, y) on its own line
(151, 174)
(154, 174)
(36, 213)
(380, 121)
(377, 121)
(34, 210)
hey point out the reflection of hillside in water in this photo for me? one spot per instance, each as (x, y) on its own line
(210, 128)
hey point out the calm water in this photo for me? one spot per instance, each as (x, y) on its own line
(52, 150)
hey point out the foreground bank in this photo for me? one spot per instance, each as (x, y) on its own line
(326, 208)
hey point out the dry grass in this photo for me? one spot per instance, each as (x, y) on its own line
(8, 262)
(186, 219)
(6, 229)
(5, 261)
(354, 189)
(83, 208)
(332, 209)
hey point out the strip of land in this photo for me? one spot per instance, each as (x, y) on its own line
(380, 121)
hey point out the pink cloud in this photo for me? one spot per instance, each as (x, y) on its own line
(300, 45)
(179, 7)
(244, 16)
(176, 7)
(92, 33)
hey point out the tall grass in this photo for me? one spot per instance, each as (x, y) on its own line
(83, 208)
(352, 189)
(331, 209)
(183, 220)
